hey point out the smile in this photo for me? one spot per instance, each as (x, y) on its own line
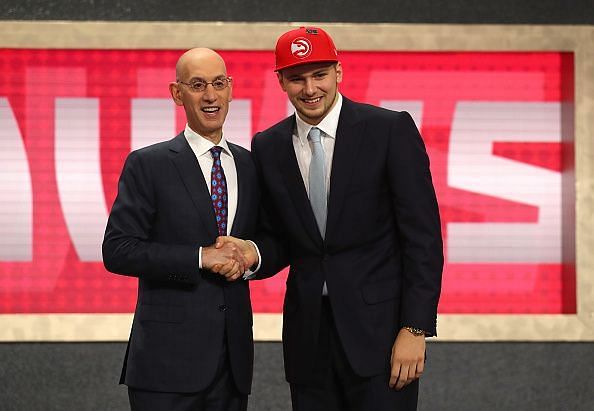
(312, 100)
(210, 109)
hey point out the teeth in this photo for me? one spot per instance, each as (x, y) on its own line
(210, 109)
(313, 100)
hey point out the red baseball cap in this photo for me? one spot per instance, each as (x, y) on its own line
(303, 46)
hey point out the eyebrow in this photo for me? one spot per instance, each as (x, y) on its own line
(315, 73)
(219, 77)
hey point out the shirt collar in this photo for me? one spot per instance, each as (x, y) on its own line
(328, 125)
(201, 145)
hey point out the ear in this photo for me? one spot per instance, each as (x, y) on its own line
(280, 78)
(175, 91)
(230, 88)
(338, 68)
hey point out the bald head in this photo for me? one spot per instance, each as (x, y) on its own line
(198, 57)
(203, 88)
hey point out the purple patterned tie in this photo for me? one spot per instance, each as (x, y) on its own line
(218, 190)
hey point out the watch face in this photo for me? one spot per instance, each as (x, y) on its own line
(415, 331)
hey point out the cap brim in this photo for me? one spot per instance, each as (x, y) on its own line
(303, 63)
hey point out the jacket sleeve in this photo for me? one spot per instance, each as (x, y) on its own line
(418, 222)
(270, 238)
(127, 246)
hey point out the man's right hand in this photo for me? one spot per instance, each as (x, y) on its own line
(247, 250)
(226, 259)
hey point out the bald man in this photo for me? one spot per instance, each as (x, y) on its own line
(191, 344)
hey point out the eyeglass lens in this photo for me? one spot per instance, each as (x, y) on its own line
(217, 84)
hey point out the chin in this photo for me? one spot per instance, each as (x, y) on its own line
(312, 117)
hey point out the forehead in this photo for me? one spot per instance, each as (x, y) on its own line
(205, 68)
(306, 69)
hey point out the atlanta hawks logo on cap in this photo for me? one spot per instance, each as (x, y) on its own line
(301, 47)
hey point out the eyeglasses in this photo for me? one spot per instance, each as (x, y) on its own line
(200, 85)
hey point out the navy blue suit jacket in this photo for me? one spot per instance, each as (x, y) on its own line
(161, 216)
(382, 255)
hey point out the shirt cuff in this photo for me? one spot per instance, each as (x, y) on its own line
(249, 274)
(200, 258)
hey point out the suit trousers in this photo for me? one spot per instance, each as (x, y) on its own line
(336, 387)
(220, 395)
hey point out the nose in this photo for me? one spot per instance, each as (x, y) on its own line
(309, 88)
(209, 93)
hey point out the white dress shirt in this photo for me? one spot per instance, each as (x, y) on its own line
(201, 148)
(302, 146)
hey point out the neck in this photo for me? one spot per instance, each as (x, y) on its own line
(214, 137)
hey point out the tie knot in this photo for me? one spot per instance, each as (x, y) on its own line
(216, 151)
(315, 135)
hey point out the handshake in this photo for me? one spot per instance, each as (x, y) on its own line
(230, 257)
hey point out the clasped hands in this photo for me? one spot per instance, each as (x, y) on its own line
(229, 257)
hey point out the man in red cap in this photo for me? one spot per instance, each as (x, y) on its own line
(349, 203)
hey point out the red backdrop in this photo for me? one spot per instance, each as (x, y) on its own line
(498, 129)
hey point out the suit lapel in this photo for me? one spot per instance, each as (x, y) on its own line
(242, 172)
(189, 170)
(287, 163)
(348, 142)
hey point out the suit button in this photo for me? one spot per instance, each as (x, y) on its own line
(222, 307)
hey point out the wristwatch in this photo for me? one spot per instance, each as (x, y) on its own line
(417, 332)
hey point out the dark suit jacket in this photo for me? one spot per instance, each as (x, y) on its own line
(162, 214)
(382, 255)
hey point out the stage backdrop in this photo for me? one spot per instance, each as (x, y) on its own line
(498, 127)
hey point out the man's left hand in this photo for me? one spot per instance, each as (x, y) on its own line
(408, 359)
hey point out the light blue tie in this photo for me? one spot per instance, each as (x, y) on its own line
(317, 184)
(317, 180)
